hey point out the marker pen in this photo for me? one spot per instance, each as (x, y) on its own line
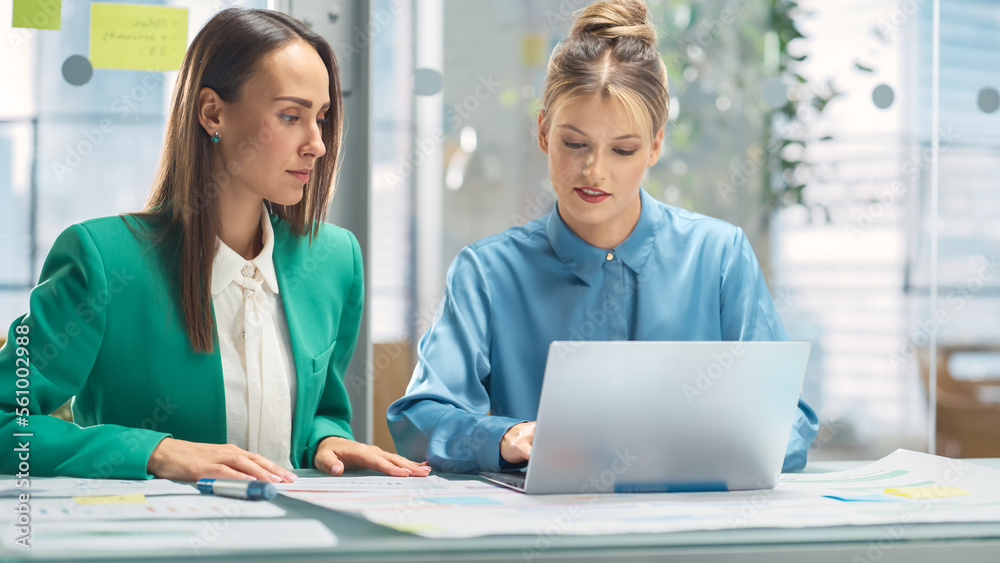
(250, 490)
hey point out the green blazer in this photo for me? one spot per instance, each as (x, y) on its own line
(104, 326)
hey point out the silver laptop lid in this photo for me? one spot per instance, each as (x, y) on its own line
(665, 416)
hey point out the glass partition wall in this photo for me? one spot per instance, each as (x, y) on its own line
(812, 126)
(954, 274)
(856, 143)
(74, 143)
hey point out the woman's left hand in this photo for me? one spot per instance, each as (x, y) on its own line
(335, 454)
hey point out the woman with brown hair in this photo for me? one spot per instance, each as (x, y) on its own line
(207, 336)
(609, 263)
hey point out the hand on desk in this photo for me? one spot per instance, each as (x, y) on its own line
(515, 446)
(189, 461)
(334, 454)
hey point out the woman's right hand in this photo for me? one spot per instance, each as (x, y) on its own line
(515, 446)
(179, 460)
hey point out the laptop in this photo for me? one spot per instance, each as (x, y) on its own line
(629, 417)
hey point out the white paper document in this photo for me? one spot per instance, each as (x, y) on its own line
(360, 484)
(38, 487)
(192, 537)
(902, 488)
(69, 514)
(138, 507)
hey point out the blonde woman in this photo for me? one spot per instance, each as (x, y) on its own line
(207, 336)
(609, 263)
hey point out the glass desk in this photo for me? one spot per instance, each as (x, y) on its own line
(360, 540)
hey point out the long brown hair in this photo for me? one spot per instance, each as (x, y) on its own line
(183, 200)
(611, 52)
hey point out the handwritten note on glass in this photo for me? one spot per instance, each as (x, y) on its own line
(136, 37)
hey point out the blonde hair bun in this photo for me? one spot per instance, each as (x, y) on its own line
(611, 53)
(615, 19)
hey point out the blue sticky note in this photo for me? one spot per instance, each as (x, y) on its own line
(877, 497)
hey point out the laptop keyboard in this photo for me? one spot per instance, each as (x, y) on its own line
(515, 480)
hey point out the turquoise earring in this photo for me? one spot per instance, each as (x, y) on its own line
(216, 138)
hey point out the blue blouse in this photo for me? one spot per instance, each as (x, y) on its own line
(678, 276)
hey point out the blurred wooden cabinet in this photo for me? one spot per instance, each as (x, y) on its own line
(968, 400)
(392, 366)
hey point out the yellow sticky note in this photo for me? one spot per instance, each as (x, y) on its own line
(927, 492)
(37, 14)
(533, 49)
(135, 498)
(134, 37)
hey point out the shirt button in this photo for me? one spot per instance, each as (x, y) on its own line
(610, 257)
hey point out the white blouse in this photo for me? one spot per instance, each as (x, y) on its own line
(258, 368)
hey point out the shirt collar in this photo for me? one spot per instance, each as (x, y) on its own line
(635, 250)
(228, 264)
(585, 260)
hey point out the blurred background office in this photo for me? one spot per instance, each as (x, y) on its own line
(857, 143)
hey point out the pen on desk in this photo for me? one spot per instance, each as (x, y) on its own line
(250, 490)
